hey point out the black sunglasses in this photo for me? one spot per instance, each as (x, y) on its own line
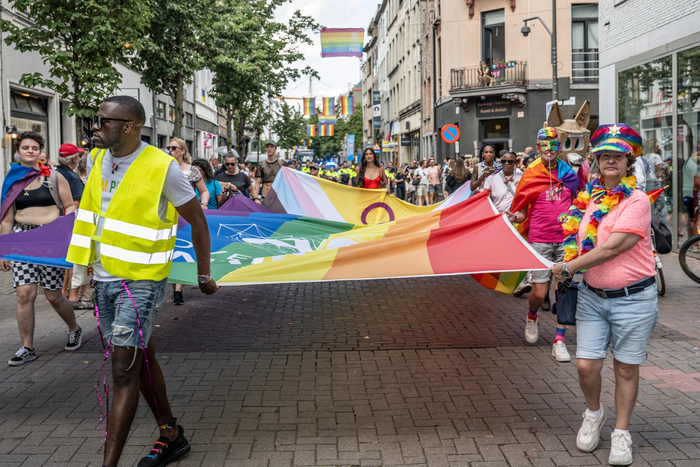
(98, 120)
(229, 164)
(507, 162)
(172, 148)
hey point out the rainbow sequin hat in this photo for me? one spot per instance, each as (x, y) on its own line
(617, 137)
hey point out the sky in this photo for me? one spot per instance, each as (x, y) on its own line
(336, 73)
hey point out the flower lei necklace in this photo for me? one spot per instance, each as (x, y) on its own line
(605, 201)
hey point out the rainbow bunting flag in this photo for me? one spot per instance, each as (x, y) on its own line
(309, 106)
(328, 106)
(326, 130)
(327, 119)
(347, 105)
(311, 130)
(342, 42)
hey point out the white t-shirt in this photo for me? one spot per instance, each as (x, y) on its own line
(655, 160)
(176, 190)
(423, 173)
(640, 171)
(500, 194)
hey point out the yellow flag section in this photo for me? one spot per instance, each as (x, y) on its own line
(431, 243)
(295, 192)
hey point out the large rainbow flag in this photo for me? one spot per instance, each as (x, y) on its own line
(309, 105)
(342, 42)
(537, 179)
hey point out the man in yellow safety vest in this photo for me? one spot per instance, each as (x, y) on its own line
(131, 251)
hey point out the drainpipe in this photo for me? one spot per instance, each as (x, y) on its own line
(154, 120)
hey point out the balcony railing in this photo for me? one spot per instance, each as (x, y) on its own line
(503, 74)
(584, 67)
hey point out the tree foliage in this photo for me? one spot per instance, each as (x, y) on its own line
(80, 41)
(252, 59)
(175, 48)
(289, 126)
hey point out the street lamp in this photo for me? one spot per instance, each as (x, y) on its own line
(525, 30)
(13, 133)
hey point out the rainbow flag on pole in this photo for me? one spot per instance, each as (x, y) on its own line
(347, 105)
(311, 130)
(326, 130)
(342, 42)
(309, 106)
(328, 106)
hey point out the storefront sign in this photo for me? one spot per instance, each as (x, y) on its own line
(390, 146)
(376, 109)
(405, 141)
(493, 108)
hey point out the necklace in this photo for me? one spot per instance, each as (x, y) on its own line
(605, 201)
(115, 165)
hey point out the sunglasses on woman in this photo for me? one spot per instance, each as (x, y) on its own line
(172, 148)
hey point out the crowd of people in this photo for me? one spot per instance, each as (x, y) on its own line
(597, 225)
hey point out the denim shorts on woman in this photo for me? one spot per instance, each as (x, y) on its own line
(628, 320)
(116, 310)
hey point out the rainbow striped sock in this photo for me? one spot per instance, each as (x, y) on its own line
(532, 314)
(560, 335)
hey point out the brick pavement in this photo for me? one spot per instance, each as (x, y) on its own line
(416, 372)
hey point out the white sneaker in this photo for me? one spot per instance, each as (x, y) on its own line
(620, 449)
(560, 353)
(589, 434)
(531, 332)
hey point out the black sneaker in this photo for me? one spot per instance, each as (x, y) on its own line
(22, 356)
(166, 451)
(178, 299)
(75, 340)
(547, 305)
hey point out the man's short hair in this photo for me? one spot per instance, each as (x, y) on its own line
(131, 107)
(231, 156)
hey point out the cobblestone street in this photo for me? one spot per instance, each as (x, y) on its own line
(418, 372)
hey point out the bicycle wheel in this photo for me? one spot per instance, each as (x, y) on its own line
(689, 257)
(660, 282)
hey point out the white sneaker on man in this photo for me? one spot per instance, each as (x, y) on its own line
(531, 332)
(620, 448)
(589, 435)
(560, 353)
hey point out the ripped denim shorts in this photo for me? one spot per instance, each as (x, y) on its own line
(116, 310)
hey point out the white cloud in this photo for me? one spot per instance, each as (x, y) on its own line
(336, 73)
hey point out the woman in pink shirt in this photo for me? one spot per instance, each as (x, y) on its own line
(609, 240)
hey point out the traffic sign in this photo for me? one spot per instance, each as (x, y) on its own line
(450, 133)
(377, 148)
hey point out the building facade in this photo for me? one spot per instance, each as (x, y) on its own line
(428, 71)
(650, 79)
(494, 83)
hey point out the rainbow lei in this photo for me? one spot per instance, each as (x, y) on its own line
(605, 200)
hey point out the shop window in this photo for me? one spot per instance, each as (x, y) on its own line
(496, 129)
(493, 36)
(688, 142)
(161, 110)
(584, 43)
(645, 103)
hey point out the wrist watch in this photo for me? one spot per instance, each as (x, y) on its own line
(204, 278)
(565, 272)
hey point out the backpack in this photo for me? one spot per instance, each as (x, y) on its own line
(662, 237)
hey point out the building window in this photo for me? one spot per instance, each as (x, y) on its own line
(189, 119)
(584, 43)
(160, 112)
(493, 36)
(29, 113)
(171, 115)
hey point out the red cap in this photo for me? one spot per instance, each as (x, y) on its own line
(68, 149)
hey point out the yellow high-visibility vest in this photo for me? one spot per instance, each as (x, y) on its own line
(135, 243)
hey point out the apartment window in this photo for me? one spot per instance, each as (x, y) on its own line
(189, 119)
(493, 36)
(584, 43)
(160, 112)
(171, 116)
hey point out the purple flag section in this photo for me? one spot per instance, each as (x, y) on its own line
(240, 203)
(48, 241)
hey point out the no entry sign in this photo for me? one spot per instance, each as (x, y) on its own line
(450, 133)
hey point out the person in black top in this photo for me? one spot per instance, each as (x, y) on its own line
(233, 180)
(400, 181)
(68, 158)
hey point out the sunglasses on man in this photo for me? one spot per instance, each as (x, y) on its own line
(230, 164)
(98, 120)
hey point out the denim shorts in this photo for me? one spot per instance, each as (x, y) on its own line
(628, 320)
(551, 251)
(116, 310)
